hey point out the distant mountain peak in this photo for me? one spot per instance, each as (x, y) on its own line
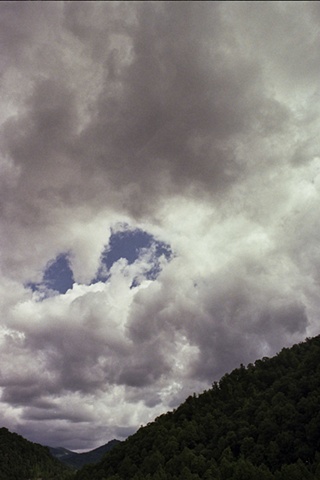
(78, 460)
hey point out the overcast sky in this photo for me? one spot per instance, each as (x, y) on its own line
(159, 204)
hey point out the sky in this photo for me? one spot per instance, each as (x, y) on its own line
(159, 205)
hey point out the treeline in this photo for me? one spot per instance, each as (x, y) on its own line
(260, 421)
(24, 460)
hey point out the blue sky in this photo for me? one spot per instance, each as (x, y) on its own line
(126, 244)
(57, 276)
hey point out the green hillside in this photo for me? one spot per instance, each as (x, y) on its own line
(259, 422)
(24, 460)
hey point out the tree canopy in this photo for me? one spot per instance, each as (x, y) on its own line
(22, 460)
(260, 421)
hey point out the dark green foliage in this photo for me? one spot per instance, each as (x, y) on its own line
(22, 460)
(260, 421)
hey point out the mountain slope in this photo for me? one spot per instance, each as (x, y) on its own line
(78, 460)
(21, 459)
(262, 422)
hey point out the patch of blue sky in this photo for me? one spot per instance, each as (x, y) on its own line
(130, 244)
(126, 243)
(57, 276)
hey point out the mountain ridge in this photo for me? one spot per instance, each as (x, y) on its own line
(78, 460)
(260, 421)
(25, 460)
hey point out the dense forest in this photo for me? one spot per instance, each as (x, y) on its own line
(260, 421)
(24, 460)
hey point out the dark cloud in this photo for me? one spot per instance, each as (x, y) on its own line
(178, 103)
(21, 394)
(36, 414)
(161, 123)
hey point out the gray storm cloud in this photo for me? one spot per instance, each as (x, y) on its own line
(194, 121)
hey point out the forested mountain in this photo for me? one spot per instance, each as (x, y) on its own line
(258, 422)
(24, 460)
(78, 460)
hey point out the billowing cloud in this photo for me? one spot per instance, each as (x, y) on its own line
(159, 204)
